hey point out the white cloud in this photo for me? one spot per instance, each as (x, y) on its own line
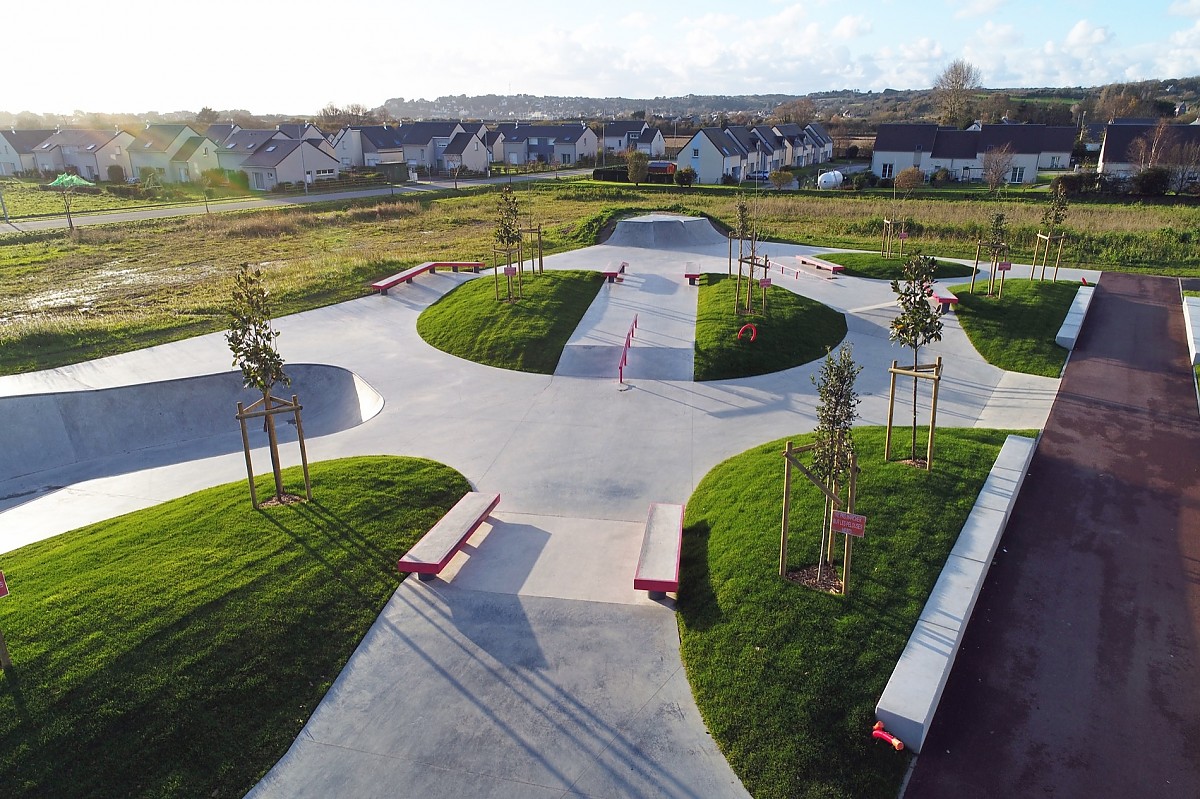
(977, 8)
(999, 35)
(851, 27)
(1180, 56)
(1084, 38)
(1185, 8)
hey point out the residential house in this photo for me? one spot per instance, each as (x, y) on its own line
(930, 148)
(757, 155)
(622, 135)
(494, 139)
(651, 142)
(285, 160)
(772, 146)
(91, 154)
(798, 148)
(821, 140)
(713, 153)
(425, 142)
(368, 145)
(219, 132)
(242, 144)
(17, 147)
(547, 144)
(306, 130)
(466, 151)
(1118, 154)
(175, 153)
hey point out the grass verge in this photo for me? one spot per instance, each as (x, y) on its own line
(787, 678)
(875, 266)
(793, 331)
(527, 335)
(178, 650)
(1016, 332)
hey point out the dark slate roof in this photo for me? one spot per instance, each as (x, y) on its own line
(157, 138)
(1118, 138)
(272, 153)
(458, 145)
(1059, 138)
(296, 130)
(87, 139)
(424, 132)
(743, 137)
(726, 145)
(1094, 132)
(491, 137)
(219, 132)
(26, 141)
(956, 144)
(790, 130)
(559, 133)
(623, 127)
(381, 137)
(1151, 121)
(903, 138)
(190, 147)
(772, 138)
(819, 132)
(1023, 139)
(246, 140)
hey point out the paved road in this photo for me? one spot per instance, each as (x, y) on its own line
(269, 201)
(1078, 675)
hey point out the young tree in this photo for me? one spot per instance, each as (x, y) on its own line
(997, 163)
(1056, 212)
(638, 164)
(251, 338)
(780, 179)
(917, 324)
(953, 89)
(508, 227)
(910, 179)
(837, 409)
(1151, 148)
(743, 217)
(685, 177)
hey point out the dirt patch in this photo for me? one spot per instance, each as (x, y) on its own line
(827, 581)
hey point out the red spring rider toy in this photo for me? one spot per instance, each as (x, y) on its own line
(879, 732)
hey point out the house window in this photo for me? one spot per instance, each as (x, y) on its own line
(324, 174)
(695, 152)
(1054, 161)
(566, 158)
(886, 170)
(1018, 175)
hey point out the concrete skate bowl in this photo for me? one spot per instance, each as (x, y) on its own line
(667, 232)
(115, 430)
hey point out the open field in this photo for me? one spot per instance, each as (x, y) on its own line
(65, 298)
(178, 650)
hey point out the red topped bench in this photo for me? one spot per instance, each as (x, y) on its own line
(431, 267)
(691, 272)
(658, 564)
(613, 270)
(820, 264)
(942, 297)
(435, 549)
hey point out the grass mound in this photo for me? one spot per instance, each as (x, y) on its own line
(178, 650)
(794, 331)
(786, 677)
(875, 266)
(528, 335)
(1016, 332)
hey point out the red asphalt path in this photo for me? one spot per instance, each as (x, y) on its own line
(1079, 674)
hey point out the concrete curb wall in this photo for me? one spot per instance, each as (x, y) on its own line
(1191, 320)
(1069, 332)
(912, 694)
(47, 431)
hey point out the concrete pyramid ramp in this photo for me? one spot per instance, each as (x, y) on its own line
(666, 232)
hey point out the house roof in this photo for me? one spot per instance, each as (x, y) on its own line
(424, 132)
(743, 136)
(817, 130)
(905, 138)
(1118, 138)
(1134, 121)
(219, 132)
(956, 144)
(622, 128)
(565, 134)
(272, 153)
(769, 135)
(247, 140)
(458, 145)
(789, 130)
(492, 136)
(726, 145)
(296, 130)
(157, 138)
(26, 141)
(380, 137)
(87, 139)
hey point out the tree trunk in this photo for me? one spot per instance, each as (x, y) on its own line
(913, 456)
(273, 443)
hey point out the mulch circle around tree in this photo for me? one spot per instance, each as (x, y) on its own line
(286, 499)
(829, 581)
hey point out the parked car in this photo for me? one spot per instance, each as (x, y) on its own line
(758, 176)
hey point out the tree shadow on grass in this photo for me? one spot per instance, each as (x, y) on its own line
(697, 604)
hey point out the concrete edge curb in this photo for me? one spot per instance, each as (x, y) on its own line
(1069, 331)
(911, 696)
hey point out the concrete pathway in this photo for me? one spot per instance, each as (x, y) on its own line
(532, 667)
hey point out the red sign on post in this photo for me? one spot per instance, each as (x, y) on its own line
(902, 235)
(1003, 266)
(849, 524)
(765, 282)
(510, 270)
(3, 585)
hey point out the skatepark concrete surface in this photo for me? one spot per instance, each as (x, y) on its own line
(530, 667)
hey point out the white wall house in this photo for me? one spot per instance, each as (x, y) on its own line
(293, 161)
(713, 154)
(18, 150)
(87, 153)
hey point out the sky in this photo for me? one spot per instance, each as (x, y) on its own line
(295, 57)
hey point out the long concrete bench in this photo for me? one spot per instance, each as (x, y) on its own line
(1069, 332)
(911, 697)
(1191, 320)
(943, 298)
(820, 264)
(658, 565)
(435, 549)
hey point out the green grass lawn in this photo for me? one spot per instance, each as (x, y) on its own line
(527, 335)
(178, 650)
(1016, 331)
(875, 266)
(793, 331)
(25, 199)
(787, 678)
